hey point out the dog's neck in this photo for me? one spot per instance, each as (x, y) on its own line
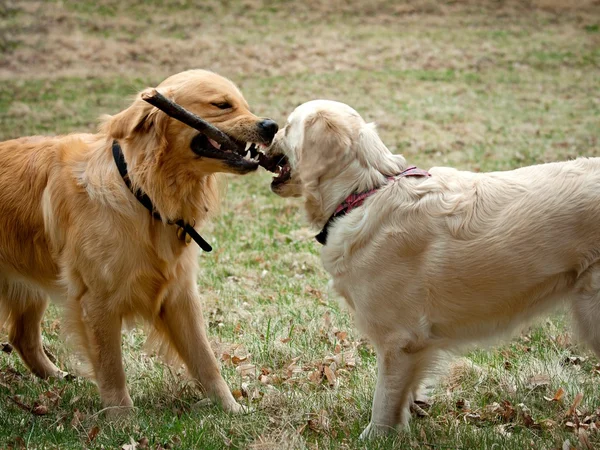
(174, 195)
(321, 203)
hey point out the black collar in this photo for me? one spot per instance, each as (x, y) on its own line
(145, 200)
(322, 236)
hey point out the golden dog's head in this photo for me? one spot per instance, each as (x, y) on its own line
(151, 134)
(327, 152)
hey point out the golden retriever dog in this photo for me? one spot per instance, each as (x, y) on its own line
(433, 262)
(72, 230)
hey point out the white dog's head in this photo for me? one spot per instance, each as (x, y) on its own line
(331, 152)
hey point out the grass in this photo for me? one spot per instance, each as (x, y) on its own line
(475, 85)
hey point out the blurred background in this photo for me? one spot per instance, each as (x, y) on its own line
(469, 82)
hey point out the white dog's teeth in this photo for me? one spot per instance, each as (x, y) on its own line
(248, 145)
(248, 155)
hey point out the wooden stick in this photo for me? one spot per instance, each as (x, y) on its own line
(176, 111)
(272, 163)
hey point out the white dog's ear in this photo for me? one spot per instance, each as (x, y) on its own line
(373, 152)
(326, 145)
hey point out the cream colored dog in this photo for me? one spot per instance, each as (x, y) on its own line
(70, 227)
(433, 263)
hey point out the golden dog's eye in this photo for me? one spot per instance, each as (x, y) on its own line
(223, 105)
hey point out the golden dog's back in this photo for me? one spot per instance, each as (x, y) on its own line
(27, 164)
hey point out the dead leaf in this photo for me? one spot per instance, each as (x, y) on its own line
(265, 379)
(320, 423)
(507, 412)
(131, 446)
(19, 442)
(583, 438)
(316, 376)
(563, 340)
(54, 326)
(473, 417)
(548, 424)
(39, 409)
(78, 417)
(246, 369)
(93, 433)
(237, 394)
(236, 360)
(558, 395)
(226, 358)
(331, 378)
(539, 380)
(525, 414)
(417, 410)
(463, 405)
(575, 404)
(503, 430)
(341, 335)
(143, 443)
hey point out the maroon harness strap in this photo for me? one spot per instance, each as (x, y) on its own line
(356, 200)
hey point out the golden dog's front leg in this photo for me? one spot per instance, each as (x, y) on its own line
(182, 322)
(102, 329)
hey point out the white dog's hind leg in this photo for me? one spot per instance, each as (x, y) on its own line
(586, 308)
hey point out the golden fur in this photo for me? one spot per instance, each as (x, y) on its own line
(432, 264)
(70, 228)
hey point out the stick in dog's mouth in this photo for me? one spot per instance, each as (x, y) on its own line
(280, 166)
(211, 142)
(214, 143)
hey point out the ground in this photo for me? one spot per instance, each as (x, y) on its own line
(478, 85)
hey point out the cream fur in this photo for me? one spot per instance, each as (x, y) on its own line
(69, 227)
(433, 264)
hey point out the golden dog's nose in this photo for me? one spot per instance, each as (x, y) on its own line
(267, 129)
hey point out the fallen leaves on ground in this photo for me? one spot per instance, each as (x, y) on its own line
(93, 433)
(579, 421)
(558, 395)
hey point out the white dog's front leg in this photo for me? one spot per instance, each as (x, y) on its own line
(398, 372)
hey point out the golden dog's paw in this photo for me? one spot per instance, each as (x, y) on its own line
(118, 412)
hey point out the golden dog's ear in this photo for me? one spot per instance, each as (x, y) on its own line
(325, 147)
(140, 118)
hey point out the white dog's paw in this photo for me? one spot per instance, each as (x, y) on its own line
(232, 407)
(374, 431)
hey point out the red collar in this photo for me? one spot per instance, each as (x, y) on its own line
(356, 200)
